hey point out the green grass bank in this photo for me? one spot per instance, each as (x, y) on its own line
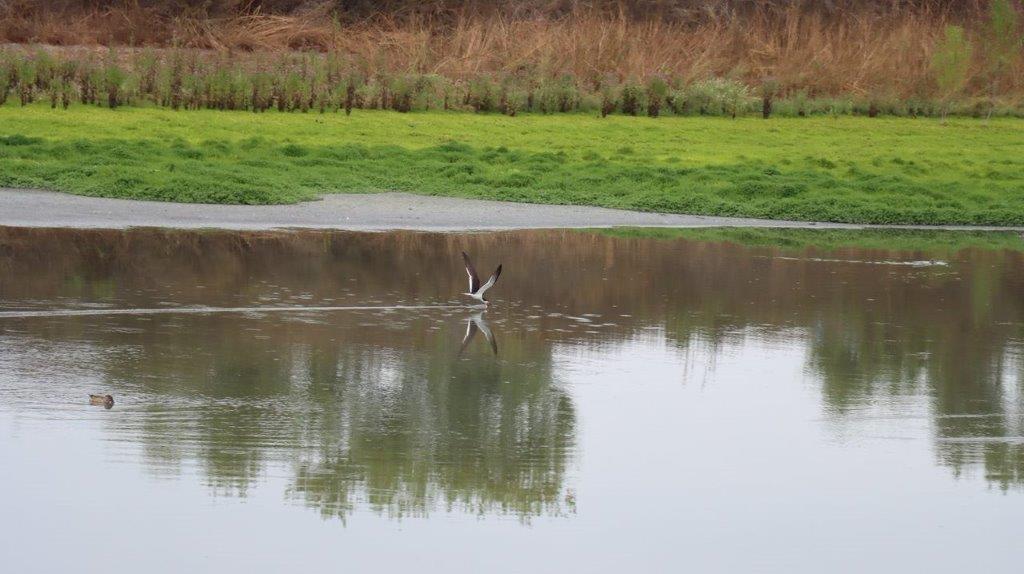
(916, 243)
(844, 169)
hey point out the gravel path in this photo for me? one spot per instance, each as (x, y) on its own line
(33, 208)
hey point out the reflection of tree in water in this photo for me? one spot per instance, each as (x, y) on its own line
(215, 396)
(366, 408)
(363, 417)
(388, 418)
(878, 332)
(950, 335)
(475, 434)
(873, 332)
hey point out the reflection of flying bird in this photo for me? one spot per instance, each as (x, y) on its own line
(476, 290)
(478, 323)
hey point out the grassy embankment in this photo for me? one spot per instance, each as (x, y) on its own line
(882, 170)
(915, 243)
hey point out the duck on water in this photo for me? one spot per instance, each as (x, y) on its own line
(106, 400)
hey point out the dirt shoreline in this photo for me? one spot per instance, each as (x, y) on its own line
(363, 212)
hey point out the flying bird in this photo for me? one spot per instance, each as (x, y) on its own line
(478, 323)
(476, 290)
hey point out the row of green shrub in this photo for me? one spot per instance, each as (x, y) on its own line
(312, 82)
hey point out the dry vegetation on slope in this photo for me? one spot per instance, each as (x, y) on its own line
(881, 50)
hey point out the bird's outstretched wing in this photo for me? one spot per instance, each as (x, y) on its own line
(490, 282)
(474, 281)
(474, 324)
(470, 333)
(486, 330)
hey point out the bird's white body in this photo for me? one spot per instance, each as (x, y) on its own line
(478, 296)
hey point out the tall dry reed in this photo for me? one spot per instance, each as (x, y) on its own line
(864, 48)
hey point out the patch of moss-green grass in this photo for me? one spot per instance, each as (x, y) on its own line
(844, 169)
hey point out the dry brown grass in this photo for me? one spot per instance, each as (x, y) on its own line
(858, 52)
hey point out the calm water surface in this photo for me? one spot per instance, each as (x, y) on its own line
(717, 401)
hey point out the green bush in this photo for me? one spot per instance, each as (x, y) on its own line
(631, 98)
(482, 95)
(657, 90)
